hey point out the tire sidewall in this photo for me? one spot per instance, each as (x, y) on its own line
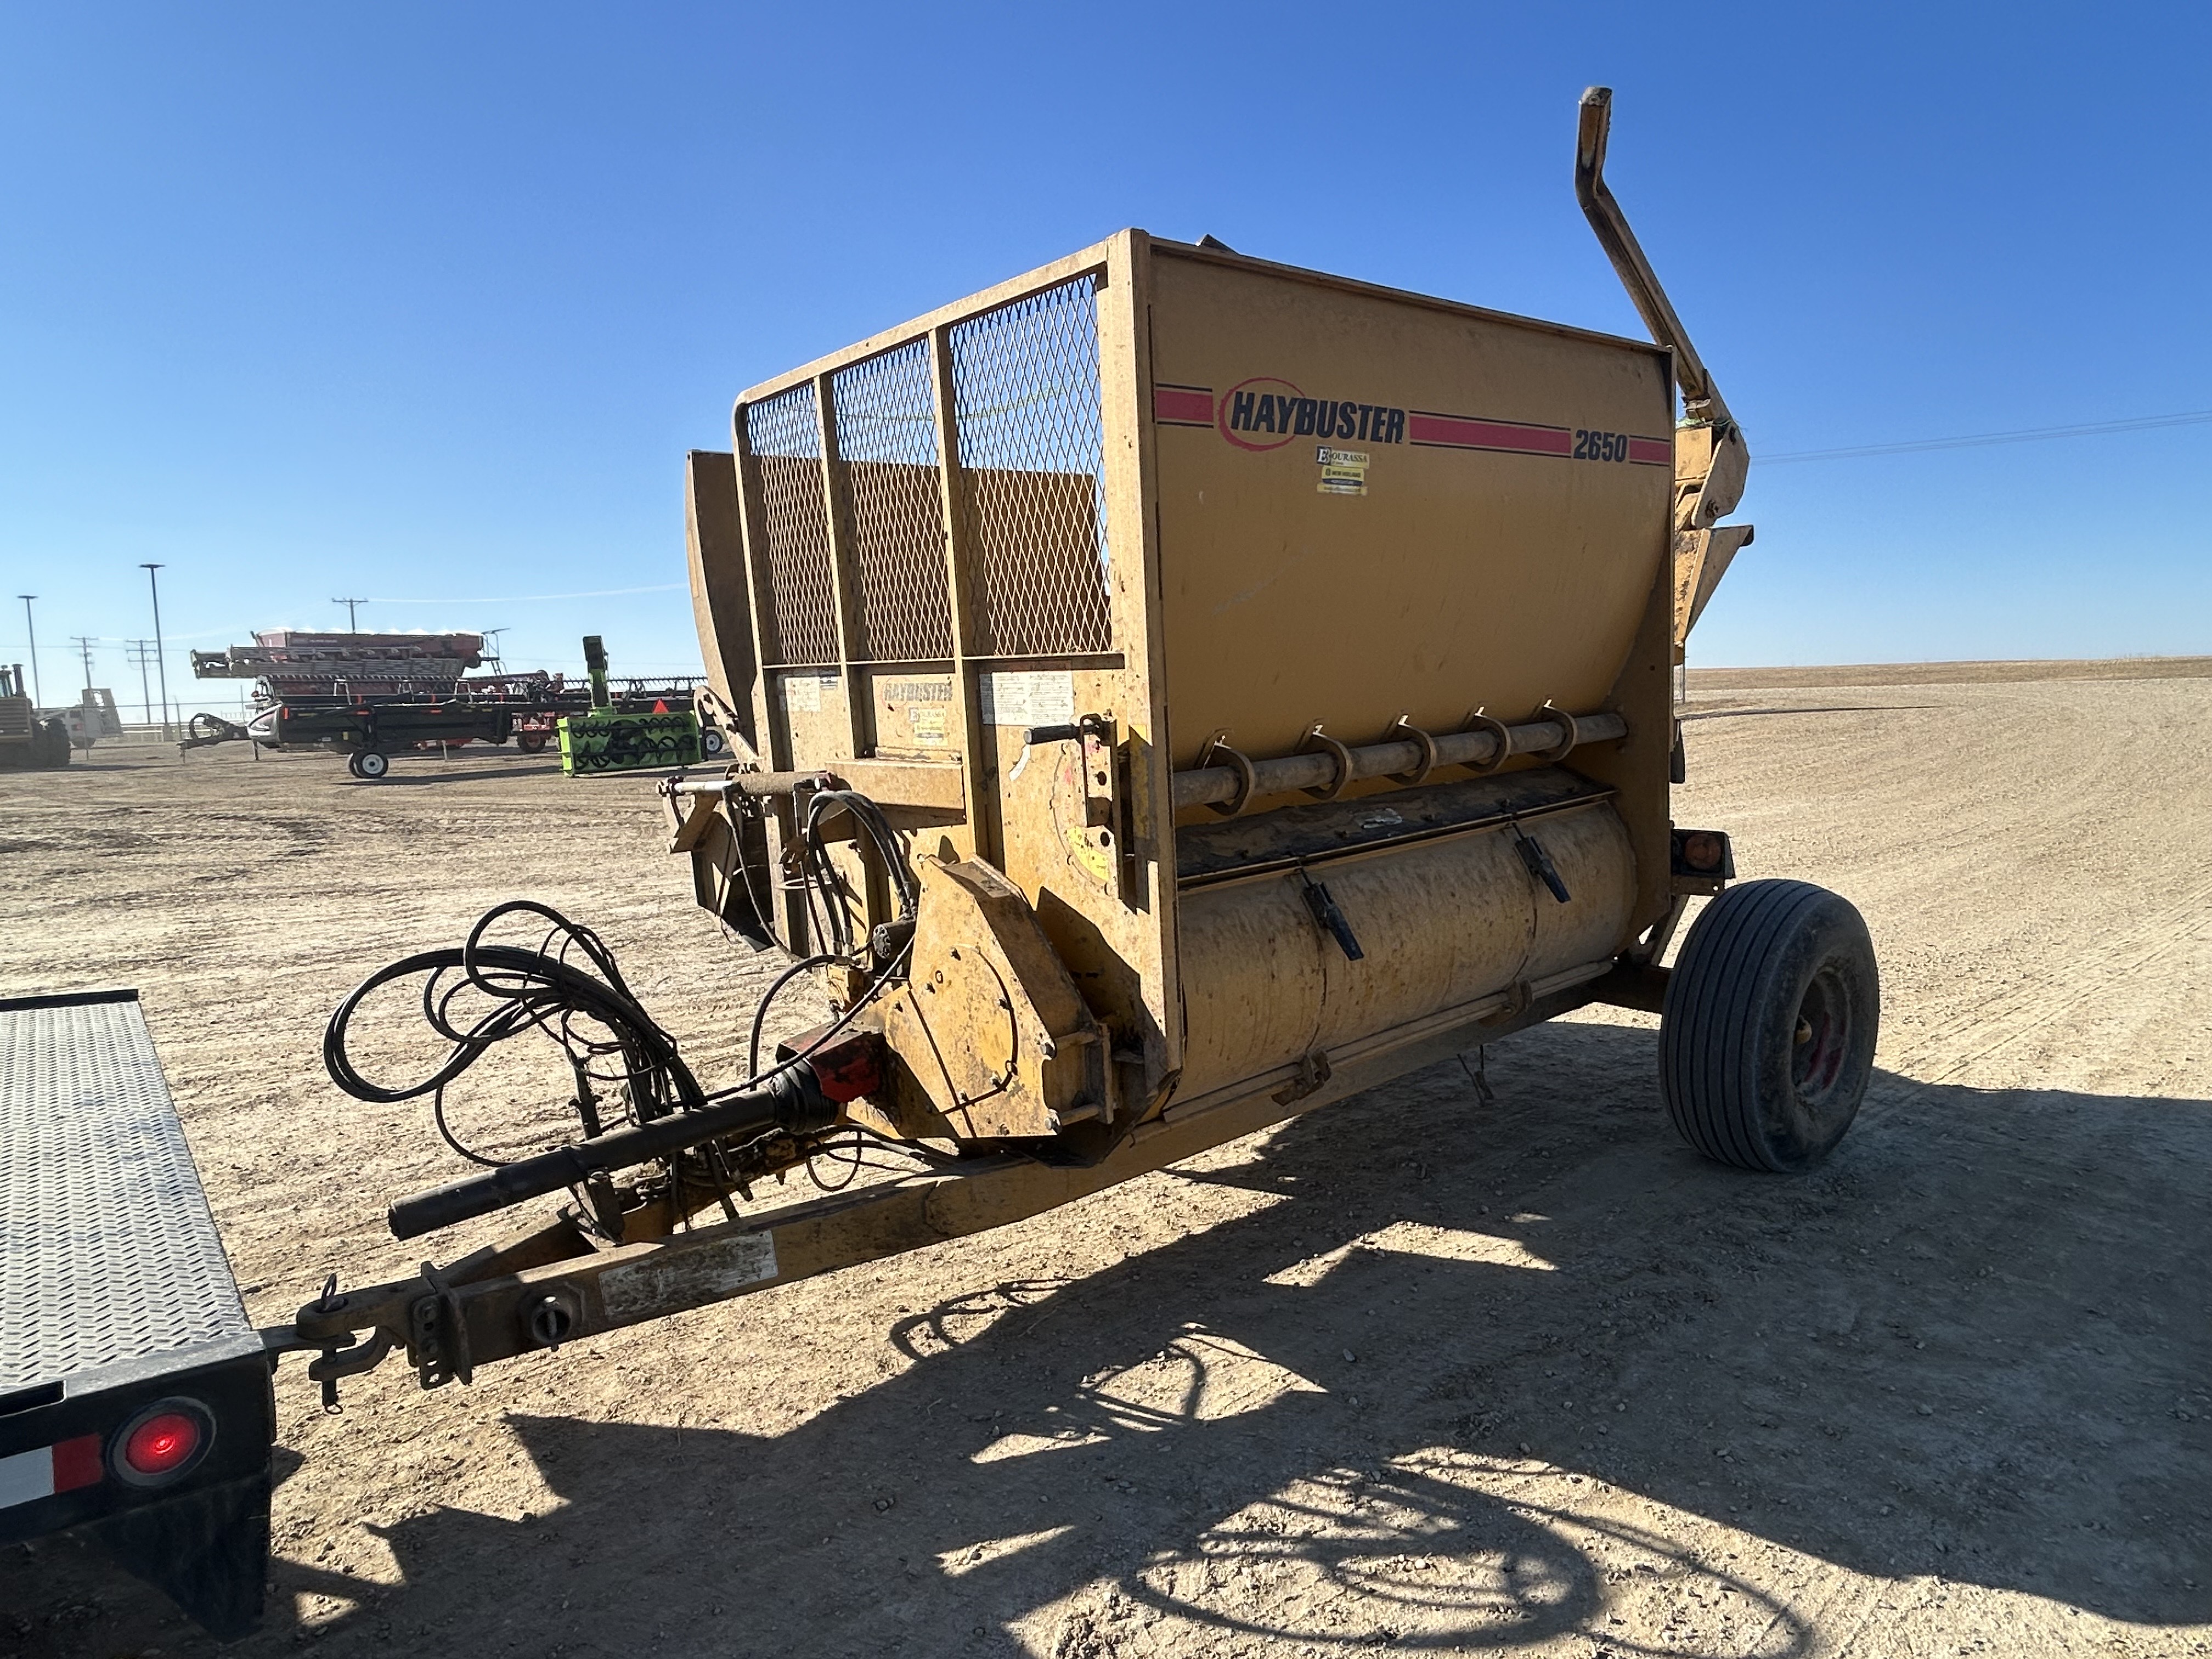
(1794, 1134)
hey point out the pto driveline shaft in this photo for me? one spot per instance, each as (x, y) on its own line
(790, 1099)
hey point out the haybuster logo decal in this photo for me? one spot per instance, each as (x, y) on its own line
(1266, 413)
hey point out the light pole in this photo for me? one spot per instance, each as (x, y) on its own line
(160, 668)
(37, 695)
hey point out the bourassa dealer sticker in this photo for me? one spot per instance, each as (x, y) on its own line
(1343, 471)
(1265, 412)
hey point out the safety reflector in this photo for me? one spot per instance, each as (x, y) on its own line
(28, 1476)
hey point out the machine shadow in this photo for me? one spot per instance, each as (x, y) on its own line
(1971, 1345)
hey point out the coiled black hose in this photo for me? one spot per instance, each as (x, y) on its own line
(530, 989)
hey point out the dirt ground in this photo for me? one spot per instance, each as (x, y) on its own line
(1953, 673)
(1418, 1371)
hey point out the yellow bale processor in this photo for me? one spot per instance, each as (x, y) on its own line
(1172, 691)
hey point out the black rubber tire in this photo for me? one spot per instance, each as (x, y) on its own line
(372, 764)
(711, 743)
(353, 762)
(1767, 1033)
(52, 743)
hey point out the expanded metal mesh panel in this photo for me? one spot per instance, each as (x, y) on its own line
(785, 437)
(1026, 397)
(107, 1252)
(887, 441)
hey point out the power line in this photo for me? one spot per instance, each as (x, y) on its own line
(350, 605)
(2026, 435)
(527, 598)
(141, 658)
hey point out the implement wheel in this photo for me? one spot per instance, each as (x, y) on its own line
(50, 743)
(371, 765)
(1766, 1037)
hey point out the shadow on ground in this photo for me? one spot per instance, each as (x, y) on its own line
(1382, 1406)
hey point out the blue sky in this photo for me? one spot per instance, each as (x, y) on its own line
(426, 303)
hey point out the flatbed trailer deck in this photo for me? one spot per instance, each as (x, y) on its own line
(134, 1397)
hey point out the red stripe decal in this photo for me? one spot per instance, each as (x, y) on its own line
(1185, 405)
(1458, 432)
(76, 1463)
(1650, 452)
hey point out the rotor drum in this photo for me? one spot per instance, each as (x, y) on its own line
(1440, 924)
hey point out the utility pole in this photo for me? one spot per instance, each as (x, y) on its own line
(160, 668)
(349, 605)
(37, 696)
(84, 643)
(142, 656)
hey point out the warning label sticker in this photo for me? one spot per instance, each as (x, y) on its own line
(1021, 698)
(1343, 471)
(684, 1278)
(802, 693)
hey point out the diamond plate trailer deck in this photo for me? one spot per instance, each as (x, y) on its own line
(134, 1401)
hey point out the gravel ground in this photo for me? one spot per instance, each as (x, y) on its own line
(1419, 1371)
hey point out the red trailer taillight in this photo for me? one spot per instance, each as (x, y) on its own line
(161, 1443)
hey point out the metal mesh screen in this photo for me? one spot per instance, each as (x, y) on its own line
(1025, 384)
(887, 441)
(785, 440)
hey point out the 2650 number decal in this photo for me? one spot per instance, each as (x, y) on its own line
(1600, 446)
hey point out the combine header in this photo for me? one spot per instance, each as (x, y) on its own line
(1174, 691)
(626, 726)
(291, 663)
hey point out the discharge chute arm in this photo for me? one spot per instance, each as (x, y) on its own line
(1699, 394)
